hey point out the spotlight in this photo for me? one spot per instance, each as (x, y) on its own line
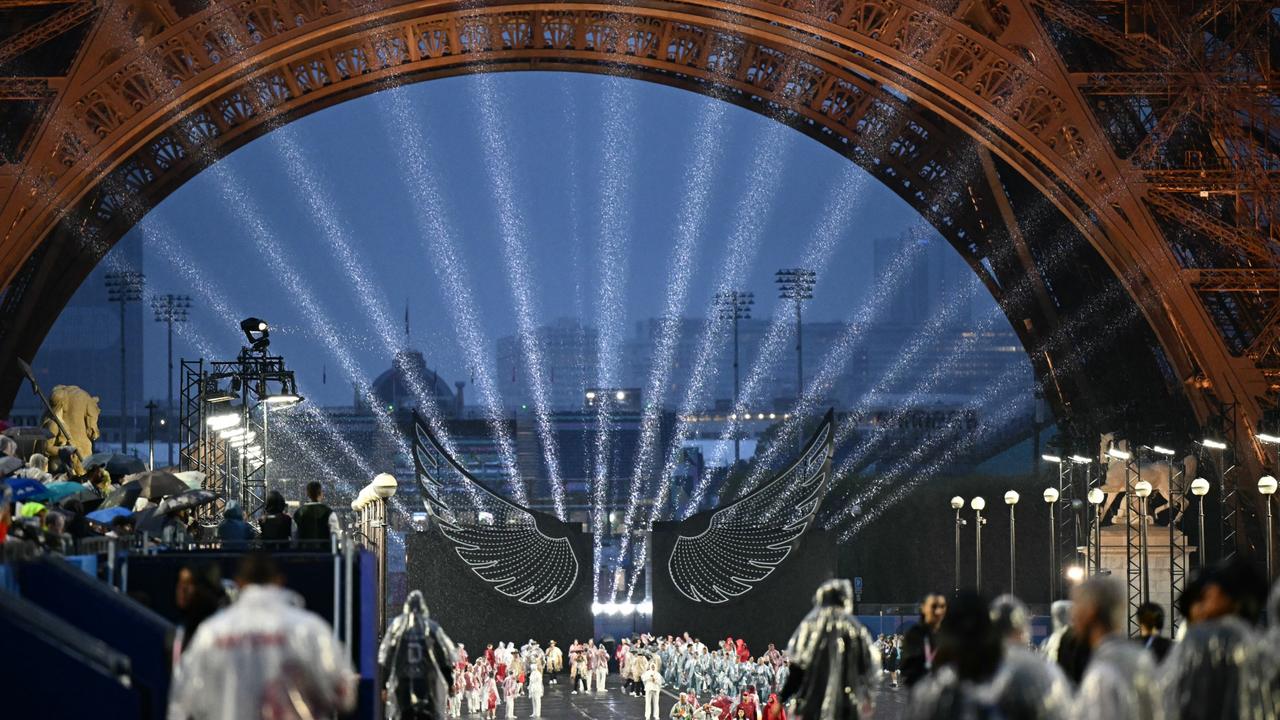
(257, 332)
(1163, 450)
(1268, 438)
(1080, 460)
(1096, 496)
(1052, 459)
(223, 421)
(283, 399)
(1117, 453)
(1213, 444)
(645, 607)
(620, 396)
(1075, 573)
(214, 394)
(978, 504)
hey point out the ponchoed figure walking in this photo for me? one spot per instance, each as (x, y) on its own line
(834, 663)
(417, 659)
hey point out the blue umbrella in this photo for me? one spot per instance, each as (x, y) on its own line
(26, 489)
(104, 517)
(63, 489)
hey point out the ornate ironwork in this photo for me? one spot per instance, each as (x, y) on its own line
(1149, 126)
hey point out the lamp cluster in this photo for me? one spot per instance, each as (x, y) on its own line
(382, 487)
(622, 608)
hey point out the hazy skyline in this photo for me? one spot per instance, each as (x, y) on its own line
(554, 130)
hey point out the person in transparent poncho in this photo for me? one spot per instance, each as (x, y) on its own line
(417, 659)
(1120, 681)
(1201, 676)
(835, 666)
(1027, 685)
(1261, 683)
(262, 657)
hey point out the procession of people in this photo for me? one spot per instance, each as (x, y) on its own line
(966, 656)
(502, 677)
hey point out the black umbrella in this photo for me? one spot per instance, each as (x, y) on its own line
(28, 431)
(124, 496)
(10, 464)
(156, 484)
(186, 501)
(116, 464)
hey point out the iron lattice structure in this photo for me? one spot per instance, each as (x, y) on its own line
(1099, 164)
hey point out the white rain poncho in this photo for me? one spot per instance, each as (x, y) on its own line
(1201, 675)
(1260, 685)
(835, 665)
(1027, 686)
(417, 658)
(1119, 684)
(263, 657)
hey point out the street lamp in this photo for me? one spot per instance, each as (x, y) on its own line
(1267, 486)
(1096, 497)
(124, 287)
(1200, 488)
(1142, 489)
(151, 434)
(796, 284)
(1011, 499)
(957, 504)
(735, 305)
(978, 504)
(170, 309)
(1051, 499)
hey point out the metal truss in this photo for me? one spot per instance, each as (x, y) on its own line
(1147, 128)
(1178, 483)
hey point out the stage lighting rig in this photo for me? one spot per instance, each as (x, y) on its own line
(257, 332)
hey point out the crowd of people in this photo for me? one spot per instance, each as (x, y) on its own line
(973, 658)
(50, 509)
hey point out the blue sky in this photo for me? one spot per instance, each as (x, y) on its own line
(550, 119)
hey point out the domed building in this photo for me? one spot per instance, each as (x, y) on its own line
(395, 388)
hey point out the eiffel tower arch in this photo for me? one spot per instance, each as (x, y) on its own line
(1091, 160)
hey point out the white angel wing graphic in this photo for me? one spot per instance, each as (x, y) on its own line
(747, 539)
(523, 554)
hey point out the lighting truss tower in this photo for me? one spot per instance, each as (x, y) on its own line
(234, 463)
(1135, 570)
(1068, 521)
(735, 305)
(170, 309)
(1178, 481)
(124, 287)
(796, 284)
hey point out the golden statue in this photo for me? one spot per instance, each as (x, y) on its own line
(78, 411)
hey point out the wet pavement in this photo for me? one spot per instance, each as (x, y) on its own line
(559, 704)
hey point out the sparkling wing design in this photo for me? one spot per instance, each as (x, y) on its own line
(746, 539)
(522, 553)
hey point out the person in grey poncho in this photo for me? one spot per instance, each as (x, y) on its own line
(1027, 686)
(1201, 676)
(417, 659)
(834, 662)
(1261, 681)
(1120, 680)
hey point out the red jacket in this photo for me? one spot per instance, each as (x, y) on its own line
(725, 705)
(774, 710)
